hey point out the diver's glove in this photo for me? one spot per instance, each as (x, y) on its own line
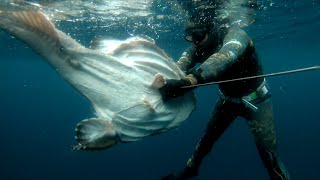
(185, 174)
(173, 87)
(196, 74)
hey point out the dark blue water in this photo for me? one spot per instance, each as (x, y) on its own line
(39, 111)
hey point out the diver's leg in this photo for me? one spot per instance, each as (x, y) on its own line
(262, 127)
(221, 117)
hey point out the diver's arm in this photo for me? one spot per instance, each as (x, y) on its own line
(186, 62)
(234, 45)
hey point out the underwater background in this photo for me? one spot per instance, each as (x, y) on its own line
(39, 110)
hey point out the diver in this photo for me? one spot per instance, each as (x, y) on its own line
(224, 53)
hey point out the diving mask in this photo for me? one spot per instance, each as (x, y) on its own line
(195, 35)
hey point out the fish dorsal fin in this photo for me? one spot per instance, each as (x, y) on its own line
(108, 44)
(105, 44)
(145, 38)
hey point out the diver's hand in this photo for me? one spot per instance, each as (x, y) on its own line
(173, 87)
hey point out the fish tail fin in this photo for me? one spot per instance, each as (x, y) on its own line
(32, 27)
(95, 134)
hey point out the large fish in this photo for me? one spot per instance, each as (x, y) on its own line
(120, 78)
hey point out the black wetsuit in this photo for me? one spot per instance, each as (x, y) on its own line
(227, 56)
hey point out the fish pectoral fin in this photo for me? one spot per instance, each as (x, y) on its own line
(158, 81)
(32, 27)
(95, 134)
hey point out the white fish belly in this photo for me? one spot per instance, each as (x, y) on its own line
(120, 91)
